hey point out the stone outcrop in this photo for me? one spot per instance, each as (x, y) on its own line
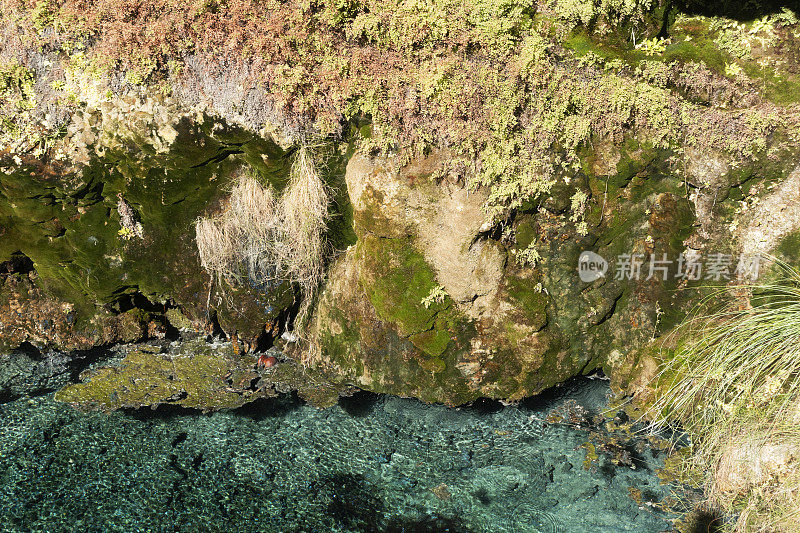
(461, 198)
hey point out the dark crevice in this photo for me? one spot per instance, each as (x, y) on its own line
(83, 359)
(264, 408)
(742, 10)
(555, 395)
(91, 186)
(136, 300)
(130, 298)
(223, 155)
(178, 396)
(18, 264)
(285, 320)
(264, 341)
(707, 522)
(485, 406)
(216, 329)
(664, 31)
(31, 351)
(359, 404)
(171, 333)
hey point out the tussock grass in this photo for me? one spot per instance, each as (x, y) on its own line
(264, 239)
(304, 212)
(237, 244)
(733, 385)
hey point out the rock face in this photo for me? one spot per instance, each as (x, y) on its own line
(117, 232)
(500, 327)
(425, 305)
(29, 315)
(428, 298)
(463, 191)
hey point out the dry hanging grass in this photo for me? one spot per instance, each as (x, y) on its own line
(261, 239)
(304, 212)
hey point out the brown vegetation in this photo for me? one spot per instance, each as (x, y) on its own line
(491, 79)
(265, 239)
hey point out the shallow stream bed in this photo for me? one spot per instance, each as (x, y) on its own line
(371, 463)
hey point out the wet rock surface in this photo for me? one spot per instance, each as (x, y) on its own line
(203, 373)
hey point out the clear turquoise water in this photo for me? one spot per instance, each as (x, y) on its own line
(369, 464)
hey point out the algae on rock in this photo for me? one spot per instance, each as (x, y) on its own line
(195, 375)
(67, 221)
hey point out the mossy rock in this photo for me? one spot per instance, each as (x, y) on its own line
(68, 225)
(196, 375)
(397, 279)
(373, 331)
(248, 310)
(363, 348)
(637, 207)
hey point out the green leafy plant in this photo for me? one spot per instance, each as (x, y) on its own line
(732, 69)
(436, 296)
(653, 46)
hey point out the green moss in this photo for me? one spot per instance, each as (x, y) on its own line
(526, 299)
(197, 375)
(433, 342)
(340, 337)
(582, 43)
(525, 233)
(781, 88)
(697, 51)
(397, 282)
(70, 227)
(341, 232)
(379, 335)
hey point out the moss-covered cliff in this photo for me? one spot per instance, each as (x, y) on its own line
(486, 146)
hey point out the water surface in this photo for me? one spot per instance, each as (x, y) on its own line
(372, 463)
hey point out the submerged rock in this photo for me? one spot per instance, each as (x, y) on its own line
(30, 373)
(193, 374)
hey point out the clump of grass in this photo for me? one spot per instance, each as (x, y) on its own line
(733, 385)
(239, 243)
(264, 239)
(304, 212)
